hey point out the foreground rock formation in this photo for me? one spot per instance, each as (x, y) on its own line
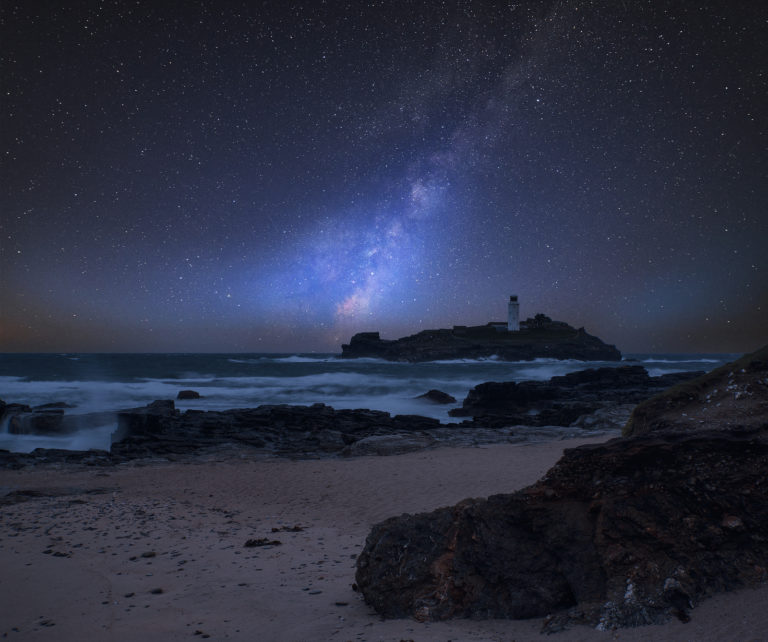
(625, 533)
(538, 338)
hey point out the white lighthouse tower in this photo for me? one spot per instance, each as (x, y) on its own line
(513, 316)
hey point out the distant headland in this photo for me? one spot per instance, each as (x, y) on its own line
(535, 338)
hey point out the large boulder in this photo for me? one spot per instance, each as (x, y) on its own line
(37, 422)
(156, 418)
(621, 534)
(625, 533)
(50, 419)
(46, 419)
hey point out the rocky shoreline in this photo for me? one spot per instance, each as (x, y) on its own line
(586, 403)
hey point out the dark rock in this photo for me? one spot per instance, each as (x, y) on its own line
(9, 410)
(735, 394)
(601, 378)
(25, 495)
(37, 422)
(73, 423)
(437, 396)
(395, 444)
(288, 529)
(156, 417)
(188, 394)
(49, 419)
(12, 408)
(538, 338)
(413, 423)
(625, 533)
(608, 418)
(564, 400)
(262, 541)
(508, 397)
(53, 405)
(161, 430)
(57, 457)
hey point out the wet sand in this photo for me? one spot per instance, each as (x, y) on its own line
(158, 551)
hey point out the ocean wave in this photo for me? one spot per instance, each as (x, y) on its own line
(9, 379)
(676, 361)
(295, 358)
(183, 378)
(99, 438)
(494, 358)
(545, 370)
(301, 359)
(483, 361)
(370, 360)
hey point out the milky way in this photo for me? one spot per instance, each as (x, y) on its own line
(277, 176)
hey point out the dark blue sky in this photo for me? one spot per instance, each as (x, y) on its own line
(195, 176)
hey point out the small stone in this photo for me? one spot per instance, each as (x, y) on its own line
(438, 397)
(262, 541)
(732, 522)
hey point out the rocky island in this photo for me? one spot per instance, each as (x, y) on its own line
(537, 338)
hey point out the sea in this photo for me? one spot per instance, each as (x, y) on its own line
(92, 383)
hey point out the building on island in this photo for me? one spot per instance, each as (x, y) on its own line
(512, 324)
(513, 314)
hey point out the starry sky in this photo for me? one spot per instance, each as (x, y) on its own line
(275, 176)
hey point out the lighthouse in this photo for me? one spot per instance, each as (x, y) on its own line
(513, 316)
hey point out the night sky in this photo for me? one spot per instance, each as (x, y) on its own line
(275, 176)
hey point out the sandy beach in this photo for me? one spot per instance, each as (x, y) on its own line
(158, 551)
